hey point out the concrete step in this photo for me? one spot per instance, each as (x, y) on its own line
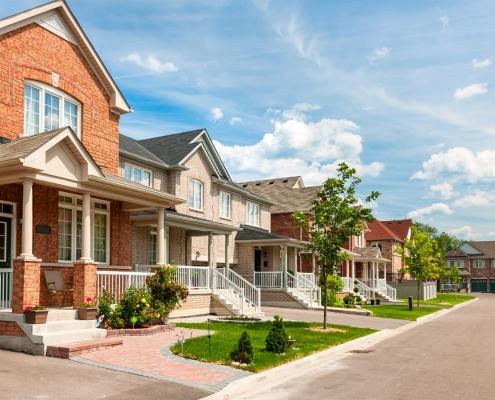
(62, 326)
(64, 314)
(75, 349)
(69, 336)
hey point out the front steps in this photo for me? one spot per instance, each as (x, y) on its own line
(70, 350)
(301, 300)
(223, 295)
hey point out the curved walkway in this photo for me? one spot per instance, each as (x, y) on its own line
(150, 356)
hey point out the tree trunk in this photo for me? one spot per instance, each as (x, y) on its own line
(440, 291)
(325, 276)
(419, 284)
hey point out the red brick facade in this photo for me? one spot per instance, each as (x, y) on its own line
(32, 52)
(25, 287)
(84, 282)
(10, 329)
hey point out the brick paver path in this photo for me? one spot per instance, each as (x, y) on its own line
(149, 356)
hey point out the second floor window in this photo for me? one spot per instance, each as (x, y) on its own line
(224, 205)
(138, 175)
(195, 194)
(458, 263)
(479, 263)
(253, 214)
(47, 108)
(377, 244)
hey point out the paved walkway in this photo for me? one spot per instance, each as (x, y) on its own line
(448, 358)
(358, 321)
(150, 356)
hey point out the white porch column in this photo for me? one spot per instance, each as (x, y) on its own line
(295, 260)
(160, 239)
(27, 220)
(86, 228)
(374, 279)
(353, 271)
(347, 274)
(227, 255)
(313, 262)
(284, 278)
(385, 272)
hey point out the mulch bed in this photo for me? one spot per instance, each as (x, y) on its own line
(328, 330)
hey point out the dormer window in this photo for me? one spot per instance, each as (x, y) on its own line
(47, 108)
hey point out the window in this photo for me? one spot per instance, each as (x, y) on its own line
(137, 174)
(479, 263)
(458, 263)
(253, 214)
(47, 108)
(224, 205)
(493, 263)
(195, 194)
(377, 244)
(153, 236)
(70, 229)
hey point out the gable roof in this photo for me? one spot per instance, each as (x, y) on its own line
(57, 17)
(400, 227)
(289, 194)
(131, 146)
(486, 248)
(379, 230)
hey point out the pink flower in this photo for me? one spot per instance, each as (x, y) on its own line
(89, 299)
(41, 300)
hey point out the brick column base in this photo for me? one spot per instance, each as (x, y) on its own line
(84, 281)
(26, 284)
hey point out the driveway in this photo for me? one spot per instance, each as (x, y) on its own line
(450, 357)
(357, 321)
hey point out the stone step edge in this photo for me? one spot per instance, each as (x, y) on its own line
(141, 331)
(69, 350)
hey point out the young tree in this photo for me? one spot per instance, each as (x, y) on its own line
(334, 217)
(446, 242)
(454, 277)
(420, 256)
(443, 271)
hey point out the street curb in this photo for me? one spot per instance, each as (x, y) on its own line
(276, 376)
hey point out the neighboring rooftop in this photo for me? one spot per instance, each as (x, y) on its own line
(251, 233)
(383, 230)
(475, 250)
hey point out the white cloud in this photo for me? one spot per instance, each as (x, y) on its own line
(215, 114)
(438, 146)
(149, 61)
(471, 90)
(479, 199)
(459, 165)
(437, 208)
(297, 111)
(297, 147)
(271, 110)
(235, 120)
(378, 53)
(445, 21)
(442, 190)
(480, 64)
(465, 232)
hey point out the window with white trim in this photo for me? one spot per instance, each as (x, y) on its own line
(70, 229)
(253, 214)
(195, 195)
(138, 175)
(479, 263)
(224, 205)
(457, 263)
(47, 108)
(493, 263)
(377, 244)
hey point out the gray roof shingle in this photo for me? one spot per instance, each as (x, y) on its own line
(132, 146)
(23, 146)
(252, 233)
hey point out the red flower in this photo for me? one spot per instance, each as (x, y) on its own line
(88, 299)
(41, 300)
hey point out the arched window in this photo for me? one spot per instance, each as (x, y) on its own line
(195, 195)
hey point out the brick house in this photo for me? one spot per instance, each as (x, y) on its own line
(387, 236)
(476, 260)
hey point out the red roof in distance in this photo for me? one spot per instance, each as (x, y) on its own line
(396, 229)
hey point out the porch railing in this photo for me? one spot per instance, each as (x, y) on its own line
(117, 282)
(6, 288)
(251, 292)
(450, 286)
(386, 289)
(307, 290)
(271, 279)
(348, 284)
(193, 277)
(308, 276)
(228, 289)
(364, 289)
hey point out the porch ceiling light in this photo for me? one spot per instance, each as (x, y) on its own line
(198, 254)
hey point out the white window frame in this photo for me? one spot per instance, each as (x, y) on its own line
(476, 263)
(143, 170)
(493, 263)
(75, 208)
(379, 245)
(254, 206)
(225, 207)
(457, 263)
(194, 182)
(44, 88)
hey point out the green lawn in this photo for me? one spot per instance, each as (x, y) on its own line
(400, 312)
(447, 300)
(226, 336)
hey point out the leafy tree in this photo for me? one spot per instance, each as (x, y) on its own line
(243, 351)
(334, 217)
(335, 285)
(454, 277)
(420, 255)
(446, 241)
(277, 339)
(443, 271)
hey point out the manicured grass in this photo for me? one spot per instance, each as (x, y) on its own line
(226, 336)
(400, 312)
(447, 300)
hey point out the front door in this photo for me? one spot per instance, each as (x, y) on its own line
(257, 260)
(5, 242)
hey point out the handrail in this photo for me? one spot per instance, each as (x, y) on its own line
(268, 279)
(309, 276)
(252, 293)
(383, 287)
(228, 289)
(6, 282)
(305, 289)
(364, 289)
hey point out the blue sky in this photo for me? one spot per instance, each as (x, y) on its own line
(403, 91)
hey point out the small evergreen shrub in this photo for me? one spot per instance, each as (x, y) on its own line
(359, 299)
(348, 300)
(277, 339)
(243, 351)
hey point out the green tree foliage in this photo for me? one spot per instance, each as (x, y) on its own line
(243, 351)
(334, 217)
(443, 270)
(446, 242)
(454, 277)
(420, 256)
(335, 285)
(277, 339)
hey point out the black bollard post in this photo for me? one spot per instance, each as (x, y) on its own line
(410, 303)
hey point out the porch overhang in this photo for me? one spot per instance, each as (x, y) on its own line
(275, 242)
(379, 260)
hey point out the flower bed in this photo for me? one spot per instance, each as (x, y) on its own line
(141, 331)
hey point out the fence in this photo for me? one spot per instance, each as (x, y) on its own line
(6, 288)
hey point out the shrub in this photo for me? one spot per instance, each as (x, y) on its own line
(243, 351)
(333, 300)
(356, 290)
(359, 299)
(277, 339)
(105, 302)
(348, 300)
(134, 307)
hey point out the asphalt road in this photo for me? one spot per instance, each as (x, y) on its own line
(23, 376)
(357, 321)
(450, 357)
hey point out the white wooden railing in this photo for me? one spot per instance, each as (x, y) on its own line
(228, 289)
(6, 288)
(308, 276)
(271, 279)
(307, 290)
(251, 292)
(450, 286)
(348, 284)
(117, 282)
(193, 277)
(381, 286)
(364, 289)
